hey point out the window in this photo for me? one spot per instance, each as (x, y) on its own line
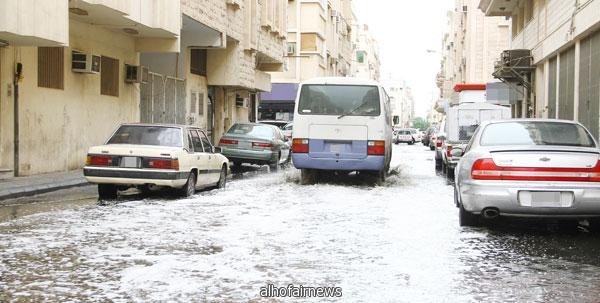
(360, 56)
(536, 133)
(309, 42)
(258, 131)
(51, 67)
(348, 100)
(147, 135)
(196, 142)
(198, 62)
(109, 77)
(205, 142)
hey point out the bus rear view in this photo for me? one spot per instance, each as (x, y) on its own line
(341, 124)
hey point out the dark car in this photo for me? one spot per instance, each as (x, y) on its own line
(427, 137)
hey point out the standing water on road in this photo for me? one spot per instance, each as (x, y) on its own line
(399, 242)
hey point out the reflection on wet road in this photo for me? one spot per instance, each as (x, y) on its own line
(399, 242)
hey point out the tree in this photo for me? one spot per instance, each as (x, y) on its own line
(420, 123)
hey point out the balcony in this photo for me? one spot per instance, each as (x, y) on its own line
(498, 7)
(154, 23)
(34, 22)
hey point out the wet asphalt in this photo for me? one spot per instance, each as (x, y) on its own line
(395, 242)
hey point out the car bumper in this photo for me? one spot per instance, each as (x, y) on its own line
(451, 163)
(135, 176)
(251, 156)
(478, 195)
(372, 163)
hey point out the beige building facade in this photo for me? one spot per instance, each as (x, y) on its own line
(471, 47)
(564, 42)
(319, 44)
(49, 113)
(402, 102)
(366, 63)
(227, 48)
(54, 109)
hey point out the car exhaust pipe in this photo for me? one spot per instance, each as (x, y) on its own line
(490, 213)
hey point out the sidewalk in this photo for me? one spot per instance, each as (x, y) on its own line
(33, 185)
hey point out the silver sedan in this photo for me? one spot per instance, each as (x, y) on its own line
(255, 143)
(528, 168)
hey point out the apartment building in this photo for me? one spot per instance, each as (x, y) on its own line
(402, 102)
(227, 48)
(53, 108)
(319, 44)
(471, 47)
(561, 41)
(366, 63)
(71, 71)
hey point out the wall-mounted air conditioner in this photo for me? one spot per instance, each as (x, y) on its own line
(136, 74)
(291, 48)
(85, 63)
(241, 102)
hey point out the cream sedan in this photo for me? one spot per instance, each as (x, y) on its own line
(151, 156)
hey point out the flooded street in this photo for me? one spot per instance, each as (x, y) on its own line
(399, 242)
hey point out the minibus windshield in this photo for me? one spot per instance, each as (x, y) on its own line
(339, 100)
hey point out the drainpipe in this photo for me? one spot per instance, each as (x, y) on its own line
(17, 78)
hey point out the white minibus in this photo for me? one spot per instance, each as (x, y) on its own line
(343, 125)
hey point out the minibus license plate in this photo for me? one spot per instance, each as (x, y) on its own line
(336, 148)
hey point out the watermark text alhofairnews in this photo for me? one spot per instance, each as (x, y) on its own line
(272, 291)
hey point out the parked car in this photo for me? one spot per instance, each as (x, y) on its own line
(429, 133)
(279, 123)
(438, 143)
(404, 135)
(150, 156)
(461, 122)
(415, 134)
(528, 168)
(287, 131)
(255, 143)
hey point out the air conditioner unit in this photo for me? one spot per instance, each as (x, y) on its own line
(136, 74)
(291, 48)
(335, 14)
(85, 63)
(516, 58)
(235, 4)
(240, 102)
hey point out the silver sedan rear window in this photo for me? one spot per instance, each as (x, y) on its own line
(536, 133)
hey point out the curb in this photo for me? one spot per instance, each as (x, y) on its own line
(39, 189)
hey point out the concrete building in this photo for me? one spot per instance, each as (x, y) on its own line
(227, 48)
(71, 71)
(402, 102)
(51, 111)
(366, 62)
(562, 41)
(319, 44)
(471, 47)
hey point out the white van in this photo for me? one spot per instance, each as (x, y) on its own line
(342, 124)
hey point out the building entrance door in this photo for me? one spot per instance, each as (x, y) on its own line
(162, 100)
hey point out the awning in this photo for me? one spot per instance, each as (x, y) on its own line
(280, 92)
